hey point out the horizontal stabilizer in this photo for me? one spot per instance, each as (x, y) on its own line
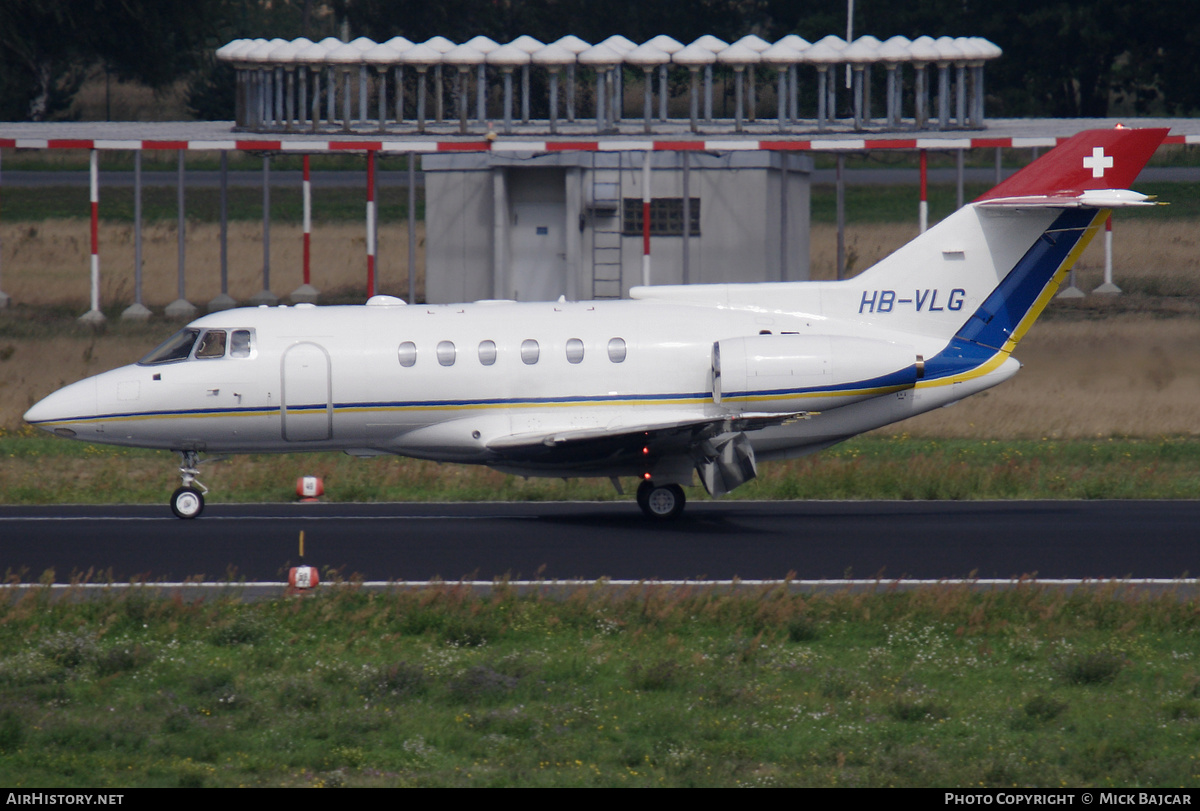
(1093, 198)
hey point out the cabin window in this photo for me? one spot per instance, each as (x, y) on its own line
(574, 351)
(176, 348)
(616, 350)
(445, 353)
(240, 344)
(407, 353)
(487, 352)
(530, 351)
(212, 344)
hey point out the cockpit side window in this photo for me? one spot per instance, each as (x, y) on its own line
(240, 344)
(212, 344)
(176, 348)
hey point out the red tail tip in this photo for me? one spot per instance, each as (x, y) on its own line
(1093, 159)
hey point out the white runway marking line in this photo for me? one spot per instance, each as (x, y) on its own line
(482, 584)
(211, 518)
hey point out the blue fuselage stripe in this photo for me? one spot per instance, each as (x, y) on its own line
(1000, 314)
(991, 326)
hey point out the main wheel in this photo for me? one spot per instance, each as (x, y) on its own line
(662, 502)
(187, 502)
(643, 495)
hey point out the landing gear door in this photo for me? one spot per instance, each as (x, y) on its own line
(307, 393)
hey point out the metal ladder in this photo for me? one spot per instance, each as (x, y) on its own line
(606, 231)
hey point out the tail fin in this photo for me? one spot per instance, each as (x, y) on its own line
(984, 274)
(1091, 161)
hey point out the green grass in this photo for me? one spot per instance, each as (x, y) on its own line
(1170, 155)
(877, 204)
(160, 204)
(864, 204)
(595, 686)
(118, 160)
(40, 469)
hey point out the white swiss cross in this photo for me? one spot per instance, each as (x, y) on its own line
(1098, 162)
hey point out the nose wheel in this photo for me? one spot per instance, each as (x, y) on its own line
(660, 502)
(188, 500)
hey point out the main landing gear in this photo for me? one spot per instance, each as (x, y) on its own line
(188, 501)
(661, 502)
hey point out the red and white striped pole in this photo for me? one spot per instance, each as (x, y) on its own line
(94, 197)
(306, 292)
(646, 219)
(370, 222)
(307, 193)
(1108, 287)
(94, 316)
(923, 208)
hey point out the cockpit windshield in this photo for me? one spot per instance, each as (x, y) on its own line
(175, 348)
(207, 345)
(240, 347)
(212, 345)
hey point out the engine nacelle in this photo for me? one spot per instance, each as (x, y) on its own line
(809, 372)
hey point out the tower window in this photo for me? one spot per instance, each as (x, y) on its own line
(666, 216)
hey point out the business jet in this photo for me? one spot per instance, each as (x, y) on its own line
(674, 384)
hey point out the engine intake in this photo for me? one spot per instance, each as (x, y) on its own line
(810, 372)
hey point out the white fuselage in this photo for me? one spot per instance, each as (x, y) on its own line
(331, 378)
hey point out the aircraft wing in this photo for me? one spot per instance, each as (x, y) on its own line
(662, 435)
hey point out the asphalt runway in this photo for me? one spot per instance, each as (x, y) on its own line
(561, 541)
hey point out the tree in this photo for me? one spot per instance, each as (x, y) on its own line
(1061, 57)
(41, 57)
(47, 46)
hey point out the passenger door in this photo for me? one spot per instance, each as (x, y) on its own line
(307, 393)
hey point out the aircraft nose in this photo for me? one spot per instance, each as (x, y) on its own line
(64, 410)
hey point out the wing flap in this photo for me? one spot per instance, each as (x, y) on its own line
(690, 429)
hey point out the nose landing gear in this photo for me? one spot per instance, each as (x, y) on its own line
(188, 500)
(660, 502)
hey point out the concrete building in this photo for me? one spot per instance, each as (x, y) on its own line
(533, 228)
